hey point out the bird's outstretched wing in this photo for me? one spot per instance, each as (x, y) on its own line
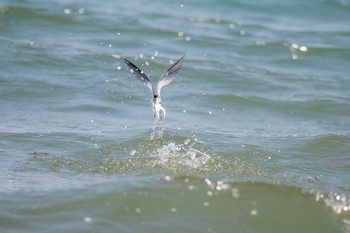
(169, 75)
(140, 75)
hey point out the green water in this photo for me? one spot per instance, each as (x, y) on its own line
(257, 132)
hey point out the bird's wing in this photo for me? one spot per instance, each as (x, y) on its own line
(169, 75)
(140, 75)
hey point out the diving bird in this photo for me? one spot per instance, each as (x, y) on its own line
(158, 111)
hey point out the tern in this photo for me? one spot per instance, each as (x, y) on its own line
(158, 111)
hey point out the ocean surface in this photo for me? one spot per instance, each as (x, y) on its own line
(257, 132)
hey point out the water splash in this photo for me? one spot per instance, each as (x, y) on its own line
(156, 150)
(175, 156)
(158, 130)
(174, 153)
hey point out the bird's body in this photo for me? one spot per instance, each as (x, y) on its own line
(159, 112)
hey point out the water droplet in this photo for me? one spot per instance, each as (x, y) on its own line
(206, 204)
(81, 10)
(119, 67)
(235, 193)
(253, 212)
(188, 38)
(243, 33)
(133, 152)
(220, 185)
(138, 210)
(294, 46)
(180, 34)
(87, 219)
(67, 11)
(173, 209)
(208, 181)
(231, 26)
(303, 48)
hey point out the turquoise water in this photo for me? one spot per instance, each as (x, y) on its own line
(257, 133)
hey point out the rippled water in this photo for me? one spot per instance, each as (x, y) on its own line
(257, 133)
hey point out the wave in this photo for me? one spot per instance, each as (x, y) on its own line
(158, 152)
(145, 204)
